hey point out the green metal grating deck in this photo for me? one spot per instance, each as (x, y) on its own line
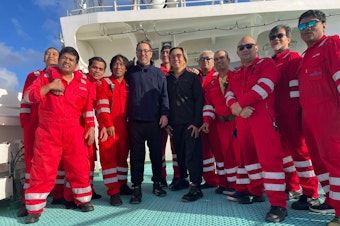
(212, 209)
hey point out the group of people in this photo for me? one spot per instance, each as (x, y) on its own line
(270, 125)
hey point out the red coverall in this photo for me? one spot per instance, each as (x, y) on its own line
(319, 82)
(59, 136)
(92, 155)
(29, 122)
(165, 136)
(216, 111)
(209, 169)
(61, 189)
(288, 110)
(112, 111)
(260, 142)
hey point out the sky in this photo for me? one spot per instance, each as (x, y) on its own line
(28, 28)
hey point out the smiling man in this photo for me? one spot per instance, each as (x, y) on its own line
(250, 97)
(65, 99)
(319, 81)
(288, 109)
(148, 108)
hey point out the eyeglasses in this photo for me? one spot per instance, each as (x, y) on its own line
(248, 46)
(203, 59)
(309, 24)
(143, 50)
(279, 36)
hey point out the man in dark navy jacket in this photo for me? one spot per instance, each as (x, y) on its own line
(148, 108)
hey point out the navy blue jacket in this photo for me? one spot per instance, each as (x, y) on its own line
(148, 95)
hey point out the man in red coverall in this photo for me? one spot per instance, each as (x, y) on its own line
(250, 97)
(319, 83)
(65, 98)
(206, 65)
(112, 94)
(29, 120)
(288, 110)
(165, 67)
(216, 111)
(96, 69)
(97, 66)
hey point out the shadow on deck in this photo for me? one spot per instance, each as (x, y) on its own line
(212, 209)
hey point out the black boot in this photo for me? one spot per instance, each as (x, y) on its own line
(158, 190)
(32, 218)
(193, 194)
(276, 214)
(136, 196)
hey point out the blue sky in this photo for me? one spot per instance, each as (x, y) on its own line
(28, 27)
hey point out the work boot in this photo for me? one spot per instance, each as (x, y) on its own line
(22, 212)
(115, 200)
(305, 202)
(95, 195)
(70, 205)
(334, 222)
(158, 190)
(136, 196)
(193, 194)
(276, 214)
(32, 218)
(174, 181)
(235, 197)
(87, 207)
(125, 190)
(322, 208)
(249, 199)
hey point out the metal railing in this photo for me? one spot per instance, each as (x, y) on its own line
(90, 6)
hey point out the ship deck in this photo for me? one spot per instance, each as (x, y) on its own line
(212, 209)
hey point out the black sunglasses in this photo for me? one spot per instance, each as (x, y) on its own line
(279, 36)
(202, 59)
(248, 46)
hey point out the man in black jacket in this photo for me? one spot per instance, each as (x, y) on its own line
(148, 108)
(185, 119)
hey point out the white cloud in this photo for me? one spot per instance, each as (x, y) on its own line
(8, 80)
(19, 29)
(8, 57)
(23, 57)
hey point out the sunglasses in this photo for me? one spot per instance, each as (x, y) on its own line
(309, 24)
(202, 59)
(279, 36)
(248, 46)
